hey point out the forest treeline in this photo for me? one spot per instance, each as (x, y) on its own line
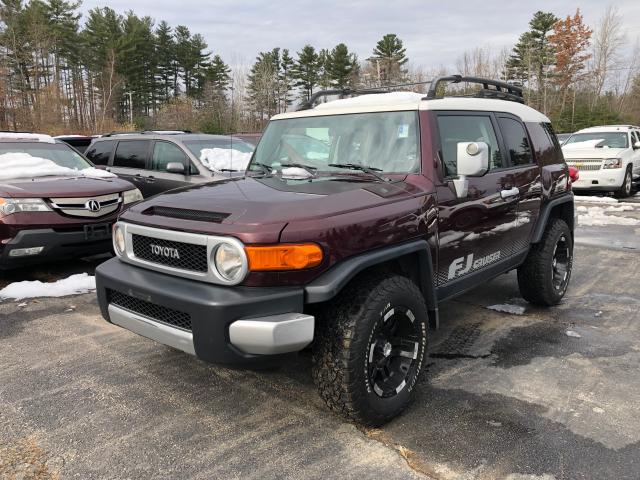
(64, 73)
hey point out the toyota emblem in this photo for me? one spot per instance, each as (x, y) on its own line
(93, 206)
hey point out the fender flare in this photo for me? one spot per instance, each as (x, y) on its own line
(544, 215)
(330, 283)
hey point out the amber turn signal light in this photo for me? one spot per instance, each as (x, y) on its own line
(283, 256)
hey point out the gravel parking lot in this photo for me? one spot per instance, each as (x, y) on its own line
(549, 393)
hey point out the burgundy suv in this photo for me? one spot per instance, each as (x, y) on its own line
(355, 219)
(53, 203)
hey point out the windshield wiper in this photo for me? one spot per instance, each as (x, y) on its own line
(263, 166)
(362, 168)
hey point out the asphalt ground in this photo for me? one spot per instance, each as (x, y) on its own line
(549, 394)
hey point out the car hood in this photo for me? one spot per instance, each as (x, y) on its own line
(254, 205)
(45, 187)
(595, 153)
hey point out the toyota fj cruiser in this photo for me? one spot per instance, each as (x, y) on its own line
(398, 201)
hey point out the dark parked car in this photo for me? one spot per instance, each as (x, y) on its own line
(79, 142)
(159, 161)
(348, 244)
(53, 203)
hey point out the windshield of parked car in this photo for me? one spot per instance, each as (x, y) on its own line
(599, 140)
(384, 142)
(31, 160)
(224, 154)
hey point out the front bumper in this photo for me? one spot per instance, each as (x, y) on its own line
(57, 244)
(219, 324)
(607, 180)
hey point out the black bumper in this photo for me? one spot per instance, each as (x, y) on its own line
(211, 308)
(57, 245)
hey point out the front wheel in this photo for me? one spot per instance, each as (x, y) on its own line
(627, 185)
(370, 348)
(544, 276)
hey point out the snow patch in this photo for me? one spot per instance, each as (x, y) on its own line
(27, 136)
(597, 216)
(587, 199)
(216, 159)
(16, 165)
(507, 308)
(73, 285)
(573, 334)
(296, 172)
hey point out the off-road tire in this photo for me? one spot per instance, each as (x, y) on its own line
(627, 185)
(535, 275)
(344, 339)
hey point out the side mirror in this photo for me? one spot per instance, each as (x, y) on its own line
(472, 161)
(175, 167)
(636, 146)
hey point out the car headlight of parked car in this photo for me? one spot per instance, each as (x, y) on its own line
(612, 163)
(9, 206)
(131, 196)
(230, 261)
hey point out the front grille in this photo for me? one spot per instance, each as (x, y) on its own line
(185, 256)
(586, 165)
(80, 206)
(150, 310)
(200, 215)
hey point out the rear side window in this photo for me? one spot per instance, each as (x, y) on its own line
(516, 140)
(131, 154)
(165, 153)
(100, 152)
(461, 128)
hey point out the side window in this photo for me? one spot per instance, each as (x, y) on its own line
(467, 128)
(131, 154)
(100, 152)
(635, 137)
(516, 140)
(165, 153)
(544, 148)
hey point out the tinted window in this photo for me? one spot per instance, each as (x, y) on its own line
(461, 128)
(516, 140)
(165, 153)
(131, 154)
(543, 146)
(100, 152)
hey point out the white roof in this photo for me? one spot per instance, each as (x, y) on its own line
(34, 137)
(399, 101)
(608, 128)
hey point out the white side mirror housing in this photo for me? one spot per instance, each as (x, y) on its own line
(472, 161)
(636, 146)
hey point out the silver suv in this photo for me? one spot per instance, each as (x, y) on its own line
(158, 161)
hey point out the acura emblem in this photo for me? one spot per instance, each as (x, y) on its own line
(93, 206)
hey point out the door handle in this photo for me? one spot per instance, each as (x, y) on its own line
(511, 192)
(150, 179)
(137, 177)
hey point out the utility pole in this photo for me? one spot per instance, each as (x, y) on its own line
(130, 93)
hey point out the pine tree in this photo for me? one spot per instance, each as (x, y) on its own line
(285, 78)
(165, 53)
(389, 58)
(307, 71)
(342, 67)
(262, 86)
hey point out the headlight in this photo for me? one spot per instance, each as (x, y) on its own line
(131, 196)
(229, 261)
(612, 163)
(119, 243)
(17, 205)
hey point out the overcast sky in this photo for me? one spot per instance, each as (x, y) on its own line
(434, 32)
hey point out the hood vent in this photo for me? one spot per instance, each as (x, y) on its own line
(197, 215)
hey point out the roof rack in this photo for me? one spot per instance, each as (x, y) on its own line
(501, 90)
(149, 132)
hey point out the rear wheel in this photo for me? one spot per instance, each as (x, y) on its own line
(370, 348)
(627, 185)
(544, 276)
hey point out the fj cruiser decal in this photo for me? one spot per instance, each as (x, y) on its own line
(459, 267)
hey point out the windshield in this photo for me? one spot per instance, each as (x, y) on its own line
(600, 140)
(385, 141)
(60, 154)
(222, 154)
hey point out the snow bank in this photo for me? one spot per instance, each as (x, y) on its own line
(215, 159)
(73, 285)
(15, 165)
(597, 216)
(507, 308)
